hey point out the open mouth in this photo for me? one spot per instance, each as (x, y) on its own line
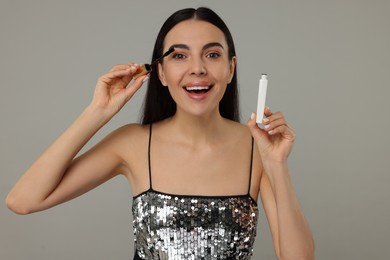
(198, 89)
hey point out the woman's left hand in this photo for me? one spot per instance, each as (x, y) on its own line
(275, 141)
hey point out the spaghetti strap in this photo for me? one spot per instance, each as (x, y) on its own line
(150, 168)
(250, 169)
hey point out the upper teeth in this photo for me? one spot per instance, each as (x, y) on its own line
(197, 88)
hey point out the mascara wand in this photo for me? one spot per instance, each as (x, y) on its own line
(146, 68)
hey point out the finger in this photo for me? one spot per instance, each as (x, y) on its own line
(116, 74)
(135, 86)
(255, 130)
(267, 111)
(261, 137)
(284, 130)
(270, 125)
(273, 117)
(123, 66)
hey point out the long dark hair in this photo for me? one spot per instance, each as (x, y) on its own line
(158, 103)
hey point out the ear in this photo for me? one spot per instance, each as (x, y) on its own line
(232, 67)
(161, 75)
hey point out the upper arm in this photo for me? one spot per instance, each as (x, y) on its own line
(269, 204)
(99, 164)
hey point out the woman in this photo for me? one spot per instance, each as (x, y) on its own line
(194, 170)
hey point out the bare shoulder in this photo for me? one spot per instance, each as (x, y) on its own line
(130, 144)
(129, 138)
(131, 132)
(238, 129)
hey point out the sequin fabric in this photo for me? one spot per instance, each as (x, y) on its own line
(177, 227)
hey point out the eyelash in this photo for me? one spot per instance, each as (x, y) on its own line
(215, 55)
(181, 56)
(176, 56)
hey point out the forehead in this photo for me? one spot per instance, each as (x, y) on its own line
(194, 33)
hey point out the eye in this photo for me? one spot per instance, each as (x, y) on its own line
(213, 55)
(178, 56)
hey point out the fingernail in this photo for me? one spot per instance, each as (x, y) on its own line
(271, 132)
(267, 126)
(252, 116)
(265, 120)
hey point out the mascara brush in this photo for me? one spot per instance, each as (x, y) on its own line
(146, 68)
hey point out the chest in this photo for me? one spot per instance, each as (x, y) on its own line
(222, 170)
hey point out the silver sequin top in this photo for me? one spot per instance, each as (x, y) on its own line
(178, 227)
(194, 227)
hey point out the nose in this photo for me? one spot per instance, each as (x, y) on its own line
(197, 66)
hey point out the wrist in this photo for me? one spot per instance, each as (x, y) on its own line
(276, 170)
(95, 115)
(275, 164)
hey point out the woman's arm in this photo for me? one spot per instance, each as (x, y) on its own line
(290, 231)
(56, 176)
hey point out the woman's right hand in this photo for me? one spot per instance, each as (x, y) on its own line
(56, 176)
(113, 91)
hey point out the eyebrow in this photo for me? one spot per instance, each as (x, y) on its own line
(206, 46)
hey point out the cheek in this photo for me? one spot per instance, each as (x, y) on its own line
(223, 74)
(173, 74)
(169, 74)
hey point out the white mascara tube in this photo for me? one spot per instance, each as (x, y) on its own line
(261, 98)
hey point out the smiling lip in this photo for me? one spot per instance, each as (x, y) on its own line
(198, 83)
(198, 90)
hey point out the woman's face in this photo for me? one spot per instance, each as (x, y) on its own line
(199, 69)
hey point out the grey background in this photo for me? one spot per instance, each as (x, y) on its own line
(328, 64)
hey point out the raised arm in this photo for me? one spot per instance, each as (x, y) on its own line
(290, 231)
(56, 176)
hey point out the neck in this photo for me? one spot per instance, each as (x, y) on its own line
(198, 130)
